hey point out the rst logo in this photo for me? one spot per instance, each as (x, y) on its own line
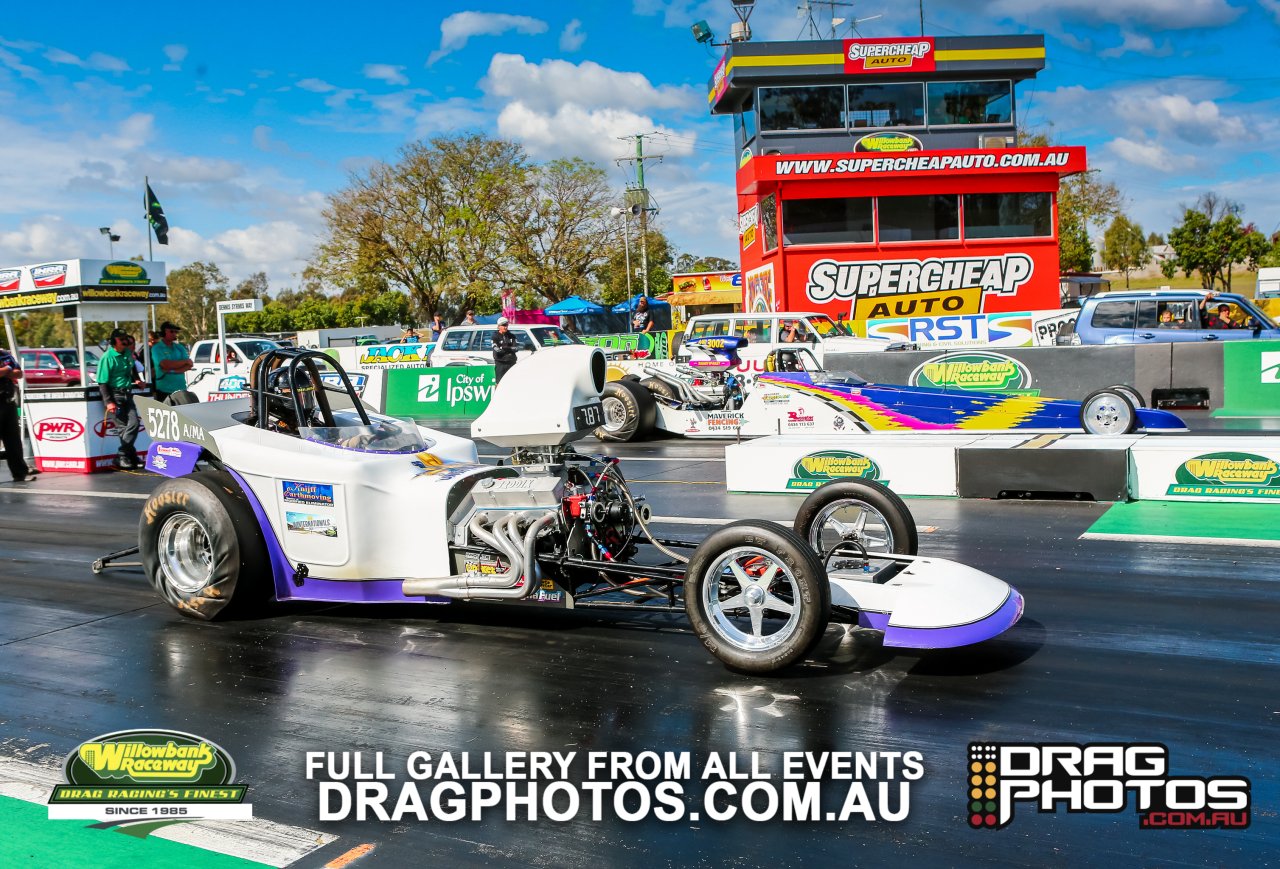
(58, 428)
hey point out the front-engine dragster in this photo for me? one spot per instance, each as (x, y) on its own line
(300, 492)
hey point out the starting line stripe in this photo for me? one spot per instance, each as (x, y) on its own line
(1198, 541)
(257, 840)
(36, 490)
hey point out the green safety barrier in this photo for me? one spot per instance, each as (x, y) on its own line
(1251, 378)
(454, 392)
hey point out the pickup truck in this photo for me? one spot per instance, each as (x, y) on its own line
(1165, 316)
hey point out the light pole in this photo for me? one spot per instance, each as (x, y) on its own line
(112, 238)
(626, 248)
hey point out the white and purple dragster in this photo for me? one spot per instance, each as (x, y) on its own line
(299, 492)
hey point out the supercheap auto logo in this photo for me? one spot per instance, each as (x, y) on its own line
(1230, 474)
(817, 468)
(135, 777)
(979, 372)
(1099, 778)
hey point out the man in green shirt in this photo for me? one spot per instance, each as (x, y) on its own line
(169, 362)
(117, 376)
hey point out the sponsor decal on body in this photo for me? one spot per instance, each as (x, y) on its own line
(977, 372)
(307, 523)
(799, 419)
(431, 465)
(1103, 778)
(1228, 475)
(817, 468)
(316, 494)
(141, 777)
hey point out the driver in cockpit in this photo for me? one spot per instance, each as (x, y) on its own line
(282, 414)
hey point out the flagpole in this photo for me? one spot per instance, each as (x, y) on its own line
(146, 180)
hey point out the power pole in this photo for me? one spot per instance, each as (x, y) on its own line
(639, 195)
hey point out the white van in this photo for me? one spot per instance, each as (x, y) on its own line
(473, 345)
(768, 332)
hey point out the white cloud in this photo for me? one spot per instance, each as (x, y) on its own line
(455, 113)
(571, 130)
(176, 53)
(1139, 43)
(96, 61)
(1150, 154)
(13, 62)
(316, 86)
(459, 27)
(552, 83)
(386, 72)
(1155, 14)
(572, 37)
(1175, 114)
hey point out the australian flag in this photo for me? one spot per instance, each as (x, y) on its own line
(155, 216)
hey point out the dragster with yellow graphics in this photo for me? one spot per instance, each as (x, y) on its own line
(703, 399)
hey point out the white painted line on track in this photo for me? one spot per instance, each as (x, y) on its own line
(37, 490)
(1197, 541)
(258, 839)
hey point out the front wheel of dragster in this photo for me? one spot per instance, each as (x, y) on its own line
(201, 546)
(629, 411)
(860, 513)
(1108, 412)
(756, 596)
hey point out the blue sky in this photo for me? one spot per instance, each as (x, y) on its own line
(246, 116)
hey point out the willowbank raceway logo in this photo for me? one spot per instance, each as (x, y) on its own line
(1099, 778)
(977, 372)
(1228, 475)
(146, 779)
(817, 468)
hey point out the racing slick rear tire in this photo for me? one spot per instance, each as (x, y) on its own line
(660, 388)
(1134, 396)
(867, 513)
(1108, 412)
(182, 396)
(629, 411)
(743, 571)
(201, 546)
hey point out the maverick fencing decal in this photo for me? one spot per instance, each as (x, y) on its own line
(817, 468)
(1228, 475)
(978, 372)
(136, 777)
(918, 288)
(669, 786)
(1099, 778)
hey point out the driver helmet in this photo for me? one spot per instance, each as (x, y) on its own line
(281, 389)
(788, 361)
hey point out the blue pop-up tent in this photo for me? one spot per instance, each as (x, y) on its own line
(573, 306)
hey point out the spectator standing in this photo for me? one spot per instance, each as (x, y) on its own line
(116, 379)
(10, 429)
(170, 362)
(437, 326)
(642, 317)
(504, 350)
(470, 319)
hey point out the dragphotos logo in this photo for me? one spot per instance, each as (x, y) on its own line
(1099, 778)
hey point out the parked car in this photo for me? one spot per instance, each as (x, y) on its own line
(473, 345)
(1163, 316)
(774, 331)
(205, 353)
(56, 366)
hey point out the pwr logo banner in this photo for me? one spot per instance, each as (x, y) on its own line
(1104, 778)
